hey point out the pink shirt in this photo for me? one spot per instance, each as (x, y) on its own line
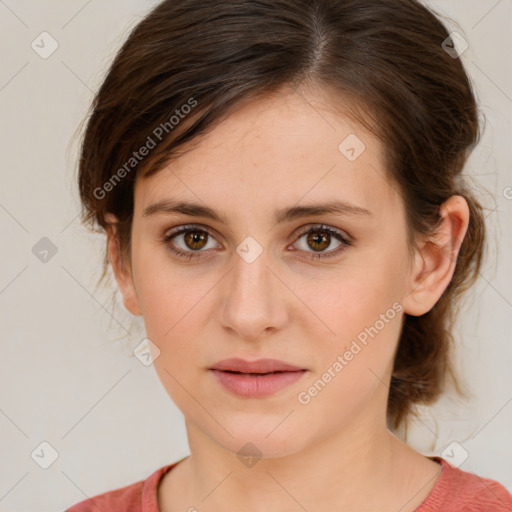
(454, 491)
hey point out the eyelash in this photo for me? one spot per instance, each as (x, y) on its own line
(188, 255)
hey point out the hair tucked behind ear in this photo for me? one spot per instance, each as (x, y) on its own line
(423, 359)
(385, 56)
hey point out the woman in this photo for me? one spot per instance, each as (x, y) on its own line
(280, 185)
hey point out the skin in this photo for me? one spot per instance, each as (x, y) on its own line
(274, 153)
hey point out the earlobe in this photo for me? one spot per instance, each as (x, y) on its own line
(436, 257)
(122, 274)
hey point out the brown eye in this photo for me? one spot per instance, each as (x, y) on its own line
(189, 242)
(320, 238)
(195, 239)
(319, 242)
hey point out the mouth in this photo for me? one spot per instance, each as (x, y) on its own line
(260, 366)
(256, 379)
(256, 374)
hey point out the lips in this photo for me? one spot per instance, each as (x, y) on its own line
(237, 365)
(256, 379)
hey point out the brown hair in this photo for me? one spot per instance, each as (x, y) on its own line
(387, 56)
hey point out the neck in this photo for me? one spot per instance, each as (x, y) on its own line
(369, 469)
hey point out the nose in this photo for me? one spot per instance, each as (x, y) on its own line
(255, 299)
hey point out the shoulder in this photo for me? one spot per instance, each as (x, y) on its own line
(458, 490)
(129, 497)
(140, 496)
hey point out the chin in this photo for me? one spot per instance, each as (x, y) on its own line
(254, 438)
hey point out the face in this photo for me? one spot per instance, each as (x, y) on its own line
(322, 292)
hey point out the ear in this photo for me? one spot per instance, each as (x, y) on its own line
(436, 257)
(122, 271)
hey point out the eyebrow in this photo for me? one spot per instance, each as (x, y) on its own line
(168, 206)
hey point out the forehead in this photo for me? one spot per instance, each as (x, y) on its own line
(283, 149)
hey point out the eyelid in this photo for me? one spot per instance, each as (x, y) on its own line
(319, 226)
(178, 230)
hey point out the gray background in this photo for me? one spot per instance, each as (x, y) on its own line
(67, 373)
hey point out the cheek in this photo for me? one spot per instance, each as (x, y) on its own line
(174, 318)
(169, 294)
(367, 323)
(353, 366)
(355, 299)
(363, 310)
